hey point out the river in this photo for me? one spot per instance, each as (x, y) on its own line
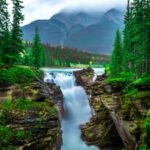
(76, 105)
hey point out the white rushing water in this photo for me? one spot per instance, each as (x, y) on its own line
(77, 110)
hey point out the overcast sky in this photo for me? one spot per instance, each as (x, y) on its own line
(44, 9)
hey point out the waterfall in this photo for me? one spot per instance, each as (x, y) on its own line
(78, 112)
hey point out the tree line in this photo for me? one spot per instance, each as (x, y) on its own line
(10, 32)
(132, 52)
(58, 56)
(13, 50)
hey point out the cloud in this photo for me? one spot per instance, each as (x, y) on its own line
(44, 9)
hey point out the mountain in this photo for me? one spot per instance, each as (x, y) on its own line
(86, 31)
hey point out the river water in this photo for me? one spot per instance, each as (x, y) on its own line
(76, 105)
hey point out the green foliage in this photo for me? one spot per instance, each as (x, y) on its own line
(37, 50)
(144, 147)
(134, 55)
(53, 110)
(147, 130)
(117, 56)
(123, 80)
(5, 136)
(6, 77)
(20, 104)
(23, 134)
(16, 75)
(107, 69)
(131, 91)
(144, 79)
(10, 33)
(16, 32)
(39, 74)
(4, 31)
(22, 75)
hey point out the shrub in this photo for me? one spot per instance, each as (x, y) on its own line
(5, 135)
(144, 79)
(23, 135)
(22, 75)
(6, 77)
(20, 104)
(16, 75)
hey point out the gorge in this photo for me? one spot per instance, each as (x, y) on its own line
(76, 106)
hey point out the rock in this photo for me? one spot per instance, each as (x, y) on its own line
(84, 76)
(107, 88)
(55, 93)
(39, 120)
(115, 120)
(17, 93)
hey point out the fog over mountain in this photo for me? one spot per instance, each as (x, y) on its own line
(86, 30)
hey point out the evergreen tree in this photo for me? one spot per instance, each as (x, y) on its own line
(146, 23)
(136, 40)
(116, 64)
(16, 33)
(37, 50)
(4, 29)
(126, 38)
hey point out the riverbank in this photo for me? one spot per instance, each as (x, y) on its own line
(30, 111)
(118, 119)
(29, 117)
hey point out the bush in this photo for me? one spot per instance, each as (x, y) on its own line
(23, 75)
(6, 77)
(23, 135)
(5, 135)
(18, 75)
(143, 80)
(20, 104)
(124, 78)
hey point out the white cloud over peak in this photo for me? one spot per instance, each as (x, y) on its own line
(44, 9)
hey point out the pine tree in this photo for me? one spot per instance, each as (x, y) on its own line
(37, 50)
(4, 29)
(16, 33)
(116, 64)
(126, 38)
(146, 13)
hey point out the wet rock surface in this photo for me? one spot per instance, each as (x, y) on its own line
(117, 119)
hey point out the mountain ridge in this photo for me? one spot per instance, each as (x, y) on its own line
(85, 31)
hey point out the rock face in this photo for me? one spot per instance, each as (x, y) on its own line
(117, 119)
(34, 120)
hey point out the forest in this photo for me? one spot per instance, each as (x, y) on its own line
(31, 110)
(130, 62)
(14, 50)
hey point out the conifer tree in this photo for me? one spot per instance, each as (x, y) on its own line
(16, 33)
(136, 39)
(126, 38)
(146, 13)
(116, 66)
(4, 29)
(37, 50)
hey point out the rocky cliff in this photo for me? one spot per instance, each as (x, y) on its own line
(29, 116)
(117, 119)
